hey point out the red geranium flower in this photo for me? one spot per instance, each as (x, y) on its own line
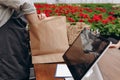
(111, 18)
(105, 21)
(111, 13)
(90, 20)
(71, 19)
(81, 20)
(97, 17)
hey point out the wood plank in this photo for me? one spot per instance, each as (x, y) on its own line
(110, 65)
(45, 72)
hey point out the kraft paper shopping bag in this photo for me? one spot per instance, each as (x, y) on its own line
(49, 40)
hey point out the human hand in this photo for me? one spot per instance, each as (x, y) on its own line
(34, 19)
(115, 45)
(41, 16)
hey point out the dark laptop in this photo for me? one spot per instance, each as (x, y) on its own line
(84, 53)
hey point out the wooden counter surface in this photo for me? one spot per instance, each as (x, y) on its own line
(45, 72)
(109, 65)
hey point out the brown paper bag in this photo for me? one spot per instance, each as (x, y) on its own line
(49, 40)
(74, 29)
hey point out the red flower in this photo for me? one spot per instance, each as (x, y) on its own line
(71, 19)
(47, 14)
(38, 11)
(111, 13)
(37, 6)
(101, 9)
(82, 15)
(105, 21)
(88, 9)
(111, 18)
(90, 20)
(97, 17)
(81, 20)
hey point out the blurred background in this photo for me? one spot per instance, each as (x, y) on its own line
(77, 1)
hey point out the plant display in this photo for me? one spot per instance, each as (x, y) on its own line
(101, 17)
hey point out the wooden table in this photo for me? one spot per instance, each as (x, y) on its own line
(45, 72)
(109, 65)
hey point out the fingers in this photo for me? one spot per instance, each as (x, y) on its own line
(41, 16)
(115, 45)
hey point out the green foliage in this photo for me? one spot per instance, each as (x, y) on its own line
(86, 12)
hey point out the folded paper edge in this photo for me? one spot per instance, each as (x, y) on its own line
(48, 58)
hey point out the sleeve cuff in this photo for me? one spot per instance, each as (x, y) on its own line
(28, 8)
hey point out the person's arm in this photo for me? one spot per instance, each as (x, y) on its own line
(26, 7)
(32, 19)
